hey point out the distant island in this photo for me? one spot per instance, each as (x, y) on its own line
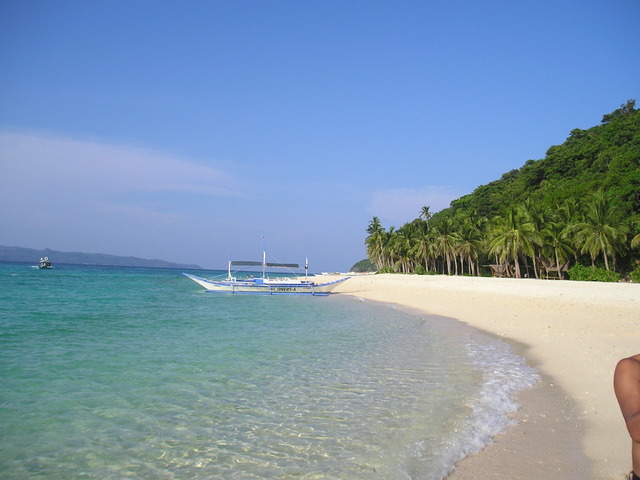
(19, 254)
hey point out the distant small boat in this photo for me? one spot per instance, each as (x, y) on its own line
(45, 264)
(264, 285)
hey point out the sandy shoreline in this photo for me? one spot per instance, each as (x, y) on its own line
(574, 332)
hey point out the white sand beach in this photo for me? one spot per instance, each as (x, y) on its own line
(573, 332)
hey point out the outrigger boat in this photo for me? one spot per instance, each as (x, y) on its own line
(264, 285)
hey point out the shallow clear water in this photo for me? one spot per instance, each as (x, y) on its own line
(138, 373)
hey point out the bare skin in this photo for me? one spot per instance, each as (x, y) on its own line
(626, 383)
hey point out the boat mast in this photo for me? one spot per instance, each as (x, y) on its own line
(264, 259)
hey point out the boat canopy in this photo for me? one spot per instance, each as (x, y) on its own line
(244, 263)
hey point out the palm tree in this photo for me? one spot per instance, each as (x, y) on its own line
(602, 231)
(538, 216)
(513, 236)
(570, 214)
(400, 246)
(557, 236)
(375, 242)
(426, 215)
(469, 240)
(421, 250)
(446, 240)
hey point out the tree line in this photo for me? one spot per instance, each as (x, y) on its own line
(578, 205)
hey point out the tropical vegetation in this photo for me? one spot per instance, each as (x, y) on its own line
(580, 205)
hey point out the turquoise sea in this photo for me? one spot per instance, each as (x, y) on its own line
(114, 373)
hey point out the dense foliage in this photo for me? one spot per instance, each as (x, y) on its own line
(364, 266)
(592, 274)
(578, 205)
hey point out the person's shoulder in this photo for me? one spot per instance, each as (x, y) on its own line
(634, 359)
(629, 363)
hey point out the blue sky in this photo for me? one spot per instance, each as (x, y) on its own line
(187, 130)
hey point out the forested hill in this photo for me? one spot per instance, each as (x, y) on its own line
(578, 206)
(604, 157)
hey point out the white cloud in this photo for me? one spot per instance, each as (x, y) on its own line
(51, 164)
(66, 193)
(401, 205)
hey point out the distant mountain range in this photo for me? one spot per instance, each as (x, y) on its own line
(19, 254)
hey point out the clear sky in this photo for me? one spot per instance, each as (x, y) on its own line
(187, 130)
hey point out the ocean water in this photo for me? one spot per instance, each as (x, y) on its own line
(115, 373)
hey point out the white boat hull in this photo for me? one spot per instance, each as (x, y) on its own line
(261, 286)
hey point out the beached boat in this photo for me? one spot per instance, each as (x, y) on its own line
(265, 285)
(44, 264)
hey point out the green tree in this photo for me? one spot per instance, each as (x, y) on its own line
(422, 250)
(538, 216)
(512, 237)
(625, 110)
(469, 240)
(557, 237)
(570, 215)
(602, 232)
(400, 246)
(375, 242)
(425, 214)
(446, 240)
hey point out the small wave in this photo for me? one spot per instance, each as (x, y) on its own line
(504, 374)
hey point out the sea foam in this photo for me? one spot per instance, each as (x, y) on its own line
(491, 410)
